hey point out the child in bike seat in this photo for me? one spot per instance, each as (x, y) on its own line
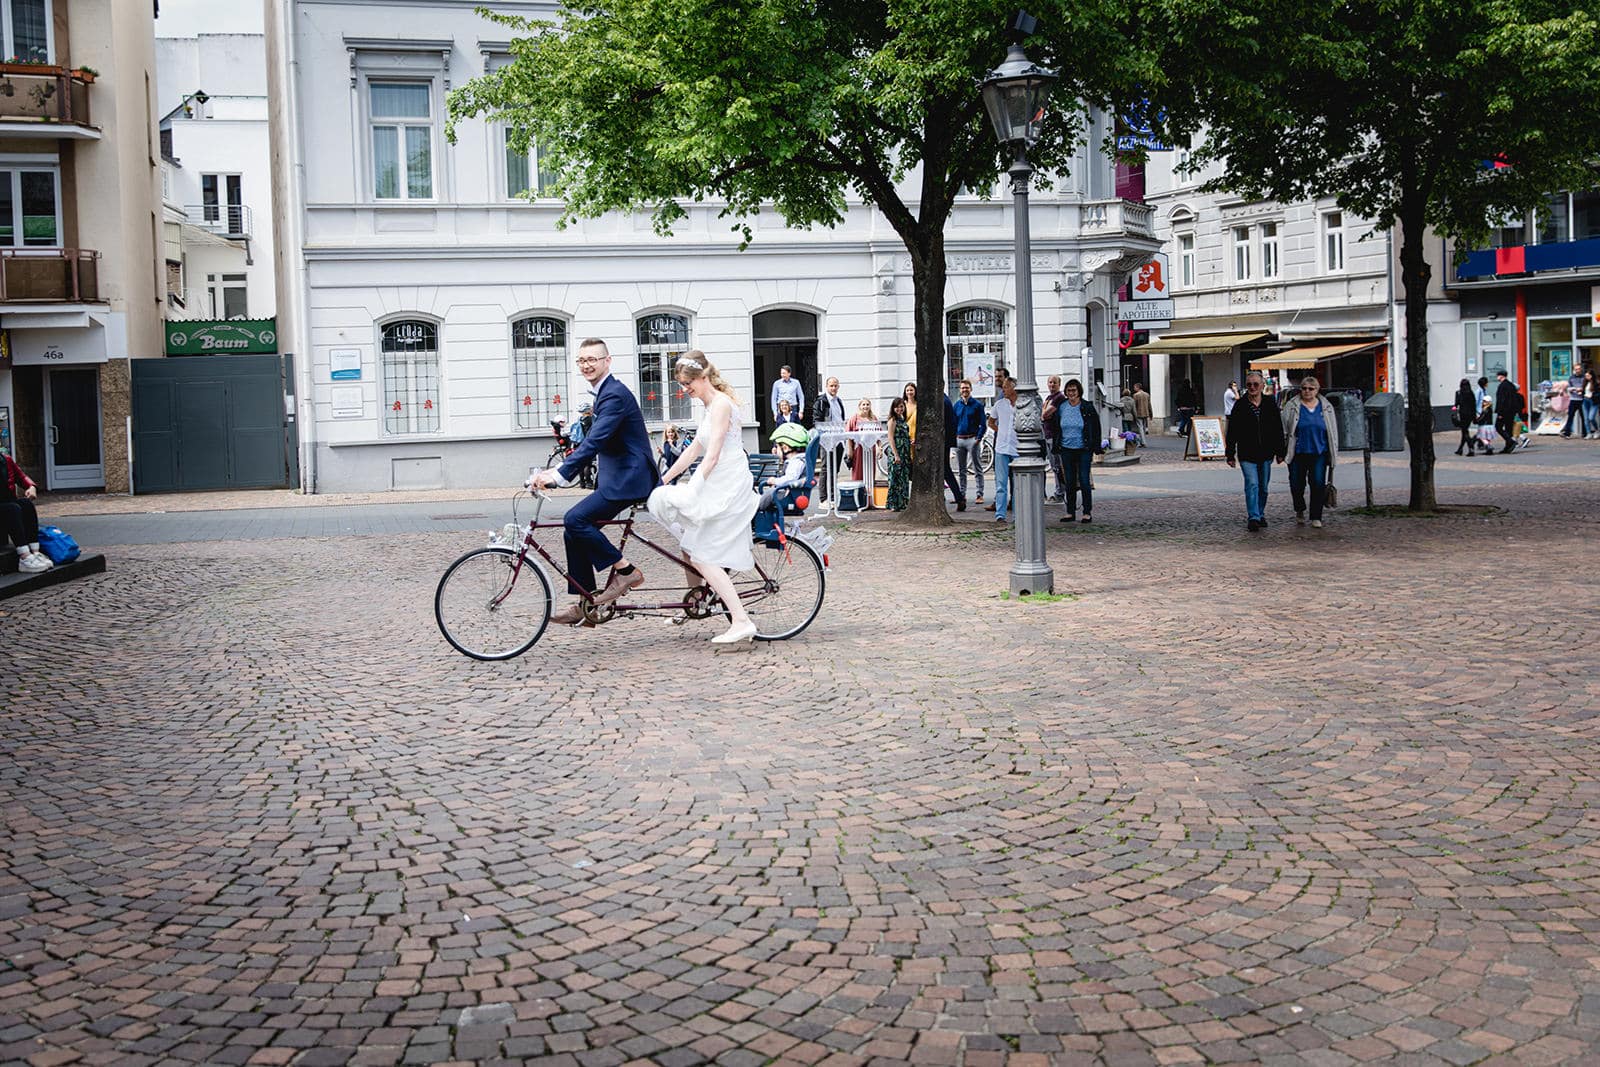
(790, 441)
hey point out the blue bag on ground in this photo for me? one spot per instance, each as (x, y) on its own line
(57, 544)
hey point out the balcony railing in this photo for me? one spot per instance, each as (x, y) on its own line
(49, 275)
(1581, 256)
(1119, 216)
(44, 95)
(225, 220)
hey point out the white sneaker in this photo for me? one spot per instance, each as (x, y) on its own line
(1316, 524)
(34, 563)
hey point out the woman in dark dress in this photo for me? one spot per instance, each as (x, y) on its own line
(899, 456)
(1466, 416)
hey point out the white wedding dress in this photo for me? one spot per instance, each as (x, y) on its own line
(710, 515)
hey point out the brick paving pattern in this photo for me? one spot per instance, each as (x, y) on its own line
(1316, 797)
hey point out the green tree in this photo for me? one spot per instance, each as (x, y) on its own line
(1394, 107)
(793, 106)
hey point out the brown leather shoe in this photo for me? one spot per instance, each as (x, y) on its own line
(619, 584)
(571, 615)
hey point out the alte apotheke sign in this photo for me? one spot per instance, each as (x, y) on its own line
(231, 337)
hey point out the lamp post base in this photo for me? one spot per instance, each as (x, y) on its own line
(1030, 573)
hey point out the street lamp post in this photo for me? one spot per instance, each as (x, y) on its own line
(1014, 94)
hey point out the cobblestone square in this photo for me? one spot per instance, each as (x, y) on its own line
(1313, 797)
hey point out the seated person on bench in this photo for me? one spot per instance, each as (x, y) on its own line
(19, 520)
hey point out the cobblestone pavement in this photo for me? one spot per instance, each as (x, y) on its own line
(1315, 797)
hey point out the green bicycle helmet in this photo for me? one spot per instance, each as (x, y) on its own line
(791, 434)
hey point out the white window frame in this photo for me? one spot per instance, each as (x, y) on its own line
(402, 127)
(391, 62)
(1271, 251)
(546, 366)
(535, 173)
(217, 287)
(664, 355)
(16, 164)
(1186, 260)
(384, 382)
(9, 44)
(1331, 242)
(1240, 245)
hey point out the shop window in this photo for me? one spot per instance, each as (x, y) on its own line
(662, 339)
(1186, 271)
(978, 333)
(1333, 242)
(408, 357)
(1550, 342)
(1271, 251)
(539, 372)
(1241, 253)
(402, 139)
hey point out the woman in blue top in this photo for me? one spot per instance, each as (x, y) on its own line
(1079, 442)
(1311, 437)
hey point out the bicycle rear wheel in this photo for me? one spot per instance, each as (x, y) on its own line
(488, 607)
(986, 455)
(783, 591)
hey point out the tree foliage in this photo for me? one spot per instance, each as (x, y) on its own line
(1397, 108)
(795, 106)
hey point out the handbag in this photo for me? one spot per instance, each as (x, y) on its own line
(58, 545)
(1330, 498)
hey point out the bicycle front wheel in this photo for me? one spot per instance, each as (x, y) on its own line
(490, 608)
(783, 591)
(986, 455)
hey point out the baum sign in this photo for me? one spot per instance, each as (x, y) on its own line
(233, 337)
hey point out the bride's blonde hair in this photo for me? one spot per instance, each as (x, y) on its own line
(694, 364)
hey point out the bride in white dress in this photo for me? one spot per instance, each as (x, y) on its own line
(710, 515)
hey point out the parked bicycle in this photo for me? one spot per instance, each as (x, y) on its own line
(985, 456)
(494, 603)
(588, 478)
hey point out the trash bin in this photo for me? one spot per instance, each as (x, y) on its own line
(1352, 420)
(1388, 412)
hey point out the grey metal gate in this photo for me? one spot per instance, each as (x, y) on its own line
(211, 422)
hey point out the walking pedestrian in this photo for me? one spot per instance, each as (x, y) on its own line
(971, 421)
(1230, 397)
(1591, 405)
(1508, 404)
(1255, 440)
(1080, 441)
(1466, 416)
(1575, 411)
(1311, 443)
(944, 454)
(1184, 397)
(1004, 423)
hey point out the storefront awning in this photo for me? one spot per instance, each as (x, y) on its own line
(1311, 355)
(1198, 344)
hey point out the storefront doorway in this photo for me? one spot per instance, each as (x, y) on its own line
(72, 428)
(783, 338)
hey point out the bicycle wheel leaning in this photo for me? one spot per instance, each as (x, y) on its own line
(488, 607)
(783, 591)
(986, 455)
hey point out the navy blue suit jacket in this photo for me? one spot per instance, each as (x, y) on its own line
(620, 445)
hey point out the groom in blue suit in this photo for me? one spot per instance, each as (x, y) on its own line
(627, 473)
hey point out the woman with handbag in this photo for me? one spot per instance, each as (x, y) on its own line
(1311, 439)
(20, 520)
(1466, 416)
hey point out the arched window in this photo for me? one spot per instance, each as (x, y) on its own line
(539, 372)
(409, 358)
(975, 341)
(662, 339)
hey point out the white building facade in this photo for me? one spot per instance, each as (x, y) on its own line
(435, 315)
(1288, 289)
(216, 176)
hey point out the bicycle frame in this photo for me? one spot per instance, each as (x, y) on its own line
(679, 558)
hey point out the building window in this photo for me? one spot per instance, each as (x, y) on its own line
(539, 372)
(409, 360)
(977, 334)
(228, 295)
(30, 208)
(26, 27)
(1586, 215)
(1333, 242)
(402, 140)
(1511, 231)
(662, 339)
(1554, 220)
(1241, 253)
(1186, 259)
(1271, 262)
(222, 202)
(528, 170)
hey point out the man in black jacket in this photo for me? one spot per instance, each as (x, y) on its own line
(1255, 439)
(1508, 404)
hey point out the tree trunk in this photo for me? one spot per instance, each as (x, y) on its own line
(1414, 276)
(927, 507)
